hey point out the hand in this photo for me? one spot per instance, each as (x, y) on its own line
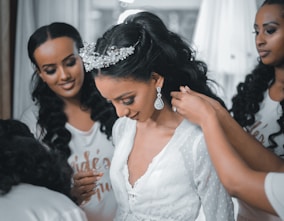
(84, 185)
(194, 106)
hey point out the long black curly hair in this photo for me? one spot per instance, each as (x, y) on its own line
(157, 49)
(250, 93)
(51, 117)
(25, 160)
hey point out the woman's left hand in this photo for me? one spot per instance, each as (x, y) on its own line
(84, 185)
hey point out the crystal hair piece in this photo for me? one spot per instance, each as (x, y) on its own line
(93, 60)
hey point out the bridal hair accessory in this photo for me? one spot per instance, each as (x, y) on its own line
(159, 104)
(93, 60)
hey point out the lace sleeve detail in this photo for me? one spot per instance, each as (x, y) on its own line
(216, 202)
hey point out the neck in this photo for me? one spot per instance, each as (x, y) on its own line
(276, 91)
(164, 118)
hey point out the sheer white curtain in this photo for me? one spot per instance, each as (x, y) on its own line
(31, 15)
(224, 39)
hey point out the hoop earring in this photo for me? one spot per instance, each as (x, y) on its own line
(159, 104)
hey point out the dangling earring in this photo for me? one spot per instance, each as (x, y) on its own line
(159, 104)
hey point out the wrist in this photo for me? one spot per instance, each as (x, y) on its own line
(209, 119)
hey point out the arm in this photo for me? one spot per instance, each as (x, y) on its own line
(245, 145)
(252, 151)
(241, 181)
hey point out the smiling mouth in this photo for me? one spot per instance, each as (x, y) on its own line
(134, 116)
(67, 85)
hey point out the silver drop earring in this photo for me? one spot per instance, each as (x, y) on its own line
(159, 104)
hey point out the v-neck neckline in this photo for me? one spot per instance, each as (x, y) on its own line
(153, 162)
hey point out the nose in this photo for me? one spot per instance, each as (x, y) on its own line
(121, 110)
(260, 39)
(64, 75)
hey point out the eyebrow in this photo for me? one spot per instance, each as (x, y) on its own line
(123, 95)
(46, 65)
(267, 23)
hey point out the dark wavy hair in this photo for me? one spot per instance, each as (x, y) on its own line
(272, 2)
(157, 49)
(250, 93)
(52, 118)
(24, 160)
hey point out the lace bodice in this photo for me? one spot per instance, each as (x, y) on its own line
(178, 181)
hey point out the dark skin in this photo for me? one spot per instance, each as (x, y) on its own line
(134, 99)
(84, 184)
(61, 68)
(269, 40)
(227, 146)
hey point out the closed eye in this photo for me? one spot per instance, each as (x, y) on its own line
(49, 70)
(271, 31)
(71, 62)
(127, 101)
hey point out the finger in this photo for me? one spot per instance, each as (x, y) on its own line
(86, 180)
(174, 103)
(84, 201)
(183, 89)
(81, 193)
(175, 94)
(87, 177)
(87, 188)
(192, 92)
(85, 197)
(83, 174)
(187, 88)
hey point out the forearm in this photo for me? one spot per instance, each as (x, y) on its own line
(252, 151)
(239, 180)
(223, 155)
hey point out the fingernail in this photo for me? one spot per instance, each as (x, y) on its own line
(99, 177)
(183, 89)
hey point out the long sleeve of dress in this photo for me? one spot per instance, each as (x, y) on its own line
(216, 202)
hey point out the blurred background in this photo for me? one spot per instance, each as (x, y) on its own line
(220, 31)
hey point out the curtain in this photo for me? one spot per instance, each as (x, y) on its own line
(224, 39)
(5, 67)
(31, 15)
